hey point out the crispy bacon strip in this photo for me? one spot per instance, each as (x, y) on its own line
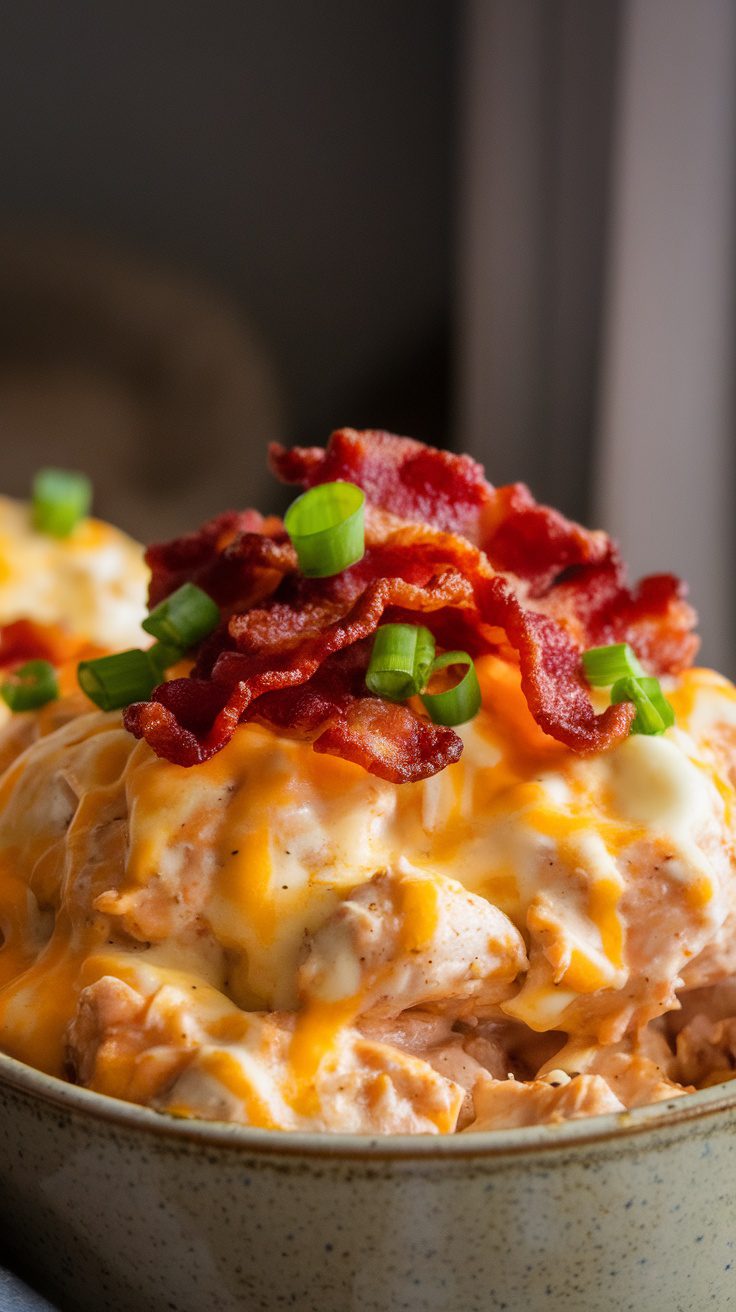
(550, 675)
(596, 608)
(248, 675)
(656, 619)
(396, 473)
(537, 543)
(447, 491)
(292, 652)
(389, 741)
(232, 557)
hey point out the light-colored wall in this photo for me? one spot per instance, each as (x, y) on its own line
(597, 274)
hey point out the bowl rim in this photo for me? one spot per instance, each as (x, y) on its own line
(524, 1141)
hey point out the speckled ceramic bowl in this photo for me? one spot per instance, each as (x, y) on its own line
(118, 1208)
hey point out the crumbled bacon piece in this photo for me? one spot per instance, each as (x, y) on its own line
(292, 652)
(656, 619)
(26, 640)
(596, 607)
(551, 677)
(248, 674)
(396, 473)
(390, 741)
(536, 543)
(234, 557)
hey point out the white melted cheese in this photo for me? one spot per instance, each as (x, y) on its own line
(655, 784)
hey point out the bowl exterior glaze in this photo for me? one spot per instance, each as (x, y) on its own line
(113, 1208)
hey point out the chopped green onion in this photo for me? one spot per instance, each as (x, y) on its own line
(326, 527)
(115, 681)
(184, 618)
(653, 690)
(400, 661)
(604, 666)
(163, 656)
(60, 499)
(457, 704)
(619, 666)
(648, 718)
(30, 686)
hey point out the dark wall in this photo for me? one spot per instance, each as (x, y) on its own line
(298, 154)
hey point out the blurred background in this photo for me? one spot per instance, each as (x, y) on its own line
(505, 226)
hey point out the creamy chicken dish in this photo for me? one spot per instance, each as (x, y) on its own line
(282, 889)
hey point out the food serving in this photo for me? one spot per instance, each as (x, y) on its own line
(427, 828)
(70, 585)
(61, 567)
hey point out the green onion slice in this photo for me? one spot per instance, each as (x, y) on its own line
(326, 527)
(60, 499)
(649, 718)
(400, 661)
(653, 690)
(184, 618)
(31, 685)
(604, 666)
(163, 656)
(115, 681)
(458, 704)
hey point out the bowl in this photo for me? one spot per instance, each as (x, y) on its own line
(112, 1206)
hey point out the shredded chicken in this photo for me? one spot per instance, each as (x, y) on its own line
(404, 940)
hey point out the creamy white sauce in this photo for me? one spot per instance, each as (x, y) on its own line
(656, 785)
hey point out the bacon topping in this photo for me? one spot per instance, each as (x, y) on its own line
(227, 557)
(26, 640)
(537, 543)
(489, 570)
(396, 473)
